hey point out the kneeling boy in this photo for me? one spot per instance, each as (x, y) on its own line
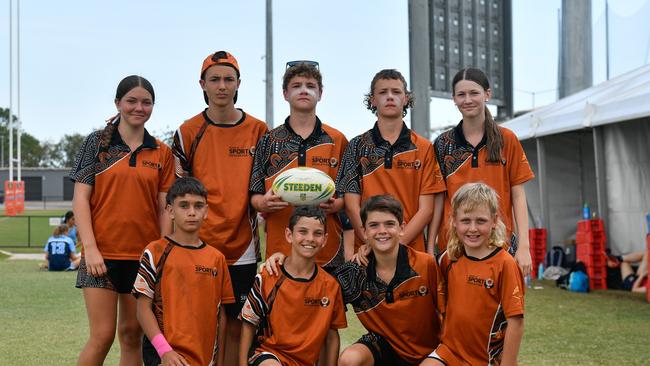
(299, 309)
(181, 285)
(395, 296)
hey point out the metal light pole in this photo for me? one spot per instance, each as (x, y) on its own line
(19, 120)
(269, 63)
(11, 91)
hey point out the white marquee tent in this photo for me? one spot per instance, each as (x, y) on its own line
(592, 147)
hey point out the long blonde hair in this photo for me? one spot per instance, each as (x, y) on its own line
(468, 198)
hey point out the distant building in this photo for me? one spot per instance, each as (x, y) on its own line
(50, 184)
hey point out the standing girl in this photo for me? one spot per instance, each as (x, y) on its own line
(483, 323)
(478, 150)
(121, 178)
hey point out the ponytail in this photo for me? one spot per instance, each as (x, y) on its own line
(494, 138)
(60, 230)
(107, 134)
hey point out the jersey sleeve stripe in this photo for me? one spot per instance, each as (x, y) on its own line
(255, 308)
(145, 281)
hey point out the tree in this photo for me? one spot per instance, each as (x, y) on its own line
(68, 148)
(166, 135)
(31, 149)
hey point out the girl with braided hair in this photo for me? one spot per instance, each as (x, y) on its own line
(121, 177)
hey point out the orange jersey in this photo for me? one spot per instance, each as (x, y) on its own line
(406, 170)
(282, 149)
(295, 314)
(463, 163)
(187, 285)
(402, 312)
(124, 200)
(480, 295)
(222, 160)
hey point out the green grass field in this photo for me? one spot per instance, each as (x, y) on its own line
(43, 322)
(24, 234)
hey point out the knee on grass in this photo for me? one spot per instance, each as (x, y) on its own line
(352, 356)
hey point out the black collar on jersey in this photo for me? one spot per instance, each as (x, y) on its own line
(404, 139)
(224, 125)
(403, 271)
(300, 279)
(184, 245)
(313, 136)
(494, 252)
(462, 141)
(148, 142)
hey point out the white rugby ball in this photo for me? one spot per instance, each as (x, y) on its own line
(303, 186)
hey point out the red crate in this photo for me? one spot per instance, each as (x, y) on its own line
(537, 241)
(596, 272)
(590, 248)
(647, 240)
(597, 284)
(538, 251)
(590, 237)
(592, 260)
(591, 225)
(537, 233)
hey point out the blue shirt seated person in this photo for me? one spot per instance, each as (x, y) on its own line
(60, 252)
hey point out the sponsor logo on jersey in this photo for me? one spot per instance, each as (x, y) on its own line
(403, 164)
(241, 152)
(313, 301)
(325, 301)
(324, 161)
(475, 280)
(205, 270)
(151, 164)
(421, 291)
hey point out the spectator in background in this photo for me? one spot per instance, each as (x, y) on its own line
(631, 279)
(60, 253)
(69, 221)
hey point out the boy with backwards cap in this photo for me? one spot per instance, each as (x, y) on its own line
(217, 147)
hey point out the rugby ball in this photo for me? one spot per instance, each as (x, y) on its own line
(303, 186)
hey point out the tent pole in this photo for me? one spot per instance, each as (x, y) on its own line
(543, 188)
(601, 174)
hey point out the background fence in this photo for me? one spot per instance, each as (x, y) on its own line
(28, 231)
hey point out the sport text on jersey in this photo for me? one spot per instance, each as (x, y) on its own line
(205, 270)
(238, 151)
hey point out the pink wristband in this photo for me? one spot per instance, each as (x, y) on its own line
(160, 344)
